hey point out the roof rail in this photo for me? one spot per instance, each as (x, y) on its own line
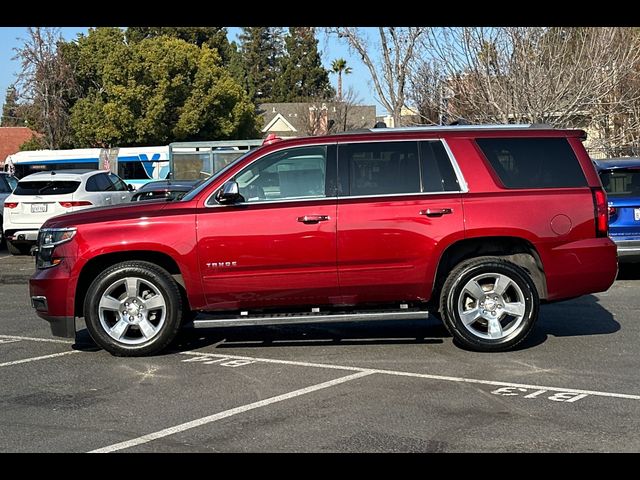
(467, 127)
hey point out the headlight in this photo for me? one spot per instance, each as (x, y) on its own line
(48, 240)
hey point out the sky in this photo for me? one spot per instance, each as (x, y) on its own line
(330, 49)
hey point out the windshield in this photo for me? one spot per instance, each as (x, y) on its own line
(193, 193)
(621, 182)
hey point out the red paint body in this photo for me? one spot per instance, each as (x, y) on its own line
(368, 250)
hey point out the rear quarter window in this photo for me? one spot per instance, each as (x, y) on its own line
(57, 187)
(533, 162)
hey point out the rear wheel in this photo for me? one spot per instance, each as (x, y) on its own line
(489, 304)
(133, 309)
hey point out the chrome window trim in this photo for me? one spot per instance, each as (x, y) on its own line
(456, 168)
(271, 202)
(464, 187)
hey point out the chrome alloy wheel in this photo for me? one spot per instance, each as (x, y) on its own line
(132, 310)
(491, 306)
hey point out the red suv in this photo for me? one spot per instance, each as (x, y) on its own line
(474, 224)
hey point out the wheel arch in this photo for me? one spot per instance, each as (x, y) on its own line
(515, 249)
(99, 263)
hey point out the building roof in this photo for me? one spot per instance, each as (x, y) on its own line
(292, 119)
(11, 138)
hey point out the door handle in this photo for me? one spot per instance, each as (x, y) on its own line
(310, 219)
(436, 212)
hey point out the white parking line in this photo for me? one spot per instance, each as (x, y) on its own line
(228, 413)
(33, 339)
(424, 375)
(5, 256)
(34, 359)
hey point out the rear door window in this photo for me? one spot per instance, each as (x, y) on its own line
(55, 187)
(381, 168)
(437, 172)
(533, 162)
(99, 183)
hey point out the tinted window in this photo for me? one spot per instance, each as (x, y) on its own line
(132, 170)
(288, 174)
(4, 185)
(118, 184)
(621, 182)
(56, 187)
(437, 172)
(380, 168)
(23, 170)
(99, 183)
(533, 162)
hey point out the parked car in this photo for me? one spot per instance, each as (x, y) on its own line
(475, 224)
(620, 178)
(164, 190)
(7, 185)
(41, 196)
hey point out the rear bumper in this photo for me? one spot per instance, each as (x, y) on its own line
(580, 268)
(49, 290)
(23, 235)
(628, 250)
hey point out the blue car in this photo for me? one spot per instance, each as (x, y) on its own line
(620, 178)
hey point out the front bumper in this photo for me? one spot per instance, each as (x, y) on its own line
(49, 290)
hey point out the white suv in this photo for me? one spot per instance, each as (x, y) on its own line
(7, 185)
(43, 195)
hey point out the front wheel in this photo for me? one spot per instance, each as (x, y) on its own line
(133, 309)
(489, 304)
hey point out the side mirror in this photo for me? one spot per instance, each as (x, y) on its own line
(230, 193)
(130, 187)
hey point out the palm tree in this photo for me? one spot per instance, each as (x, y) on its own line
(338, 66)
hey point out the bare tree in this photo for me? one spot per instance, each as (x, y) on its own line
(46, 83)
(321, 117)
(343, 113)
(389, 59)
(532, 74)
(430, 93)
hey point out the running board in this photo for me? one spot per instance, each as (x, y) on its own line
(206, 320)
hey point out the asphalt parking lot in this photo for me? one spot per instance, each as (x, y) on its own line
(377, 387)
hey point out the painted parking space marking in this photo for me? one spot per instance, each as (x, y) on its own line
(228, 413)
(527, 387)
(35, 359)
(568, 397)
(34, 339)
(9, 340)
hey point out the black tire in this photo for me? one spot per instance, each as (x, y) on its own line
(152, 275)
(18, 248)
(473, 337)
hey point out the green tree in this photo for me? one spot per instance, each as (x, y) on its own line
(261, 49)
(302, 75)
(11, 115)
(155, 91)
(47, 85)
(213, 37)
(339, 66)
